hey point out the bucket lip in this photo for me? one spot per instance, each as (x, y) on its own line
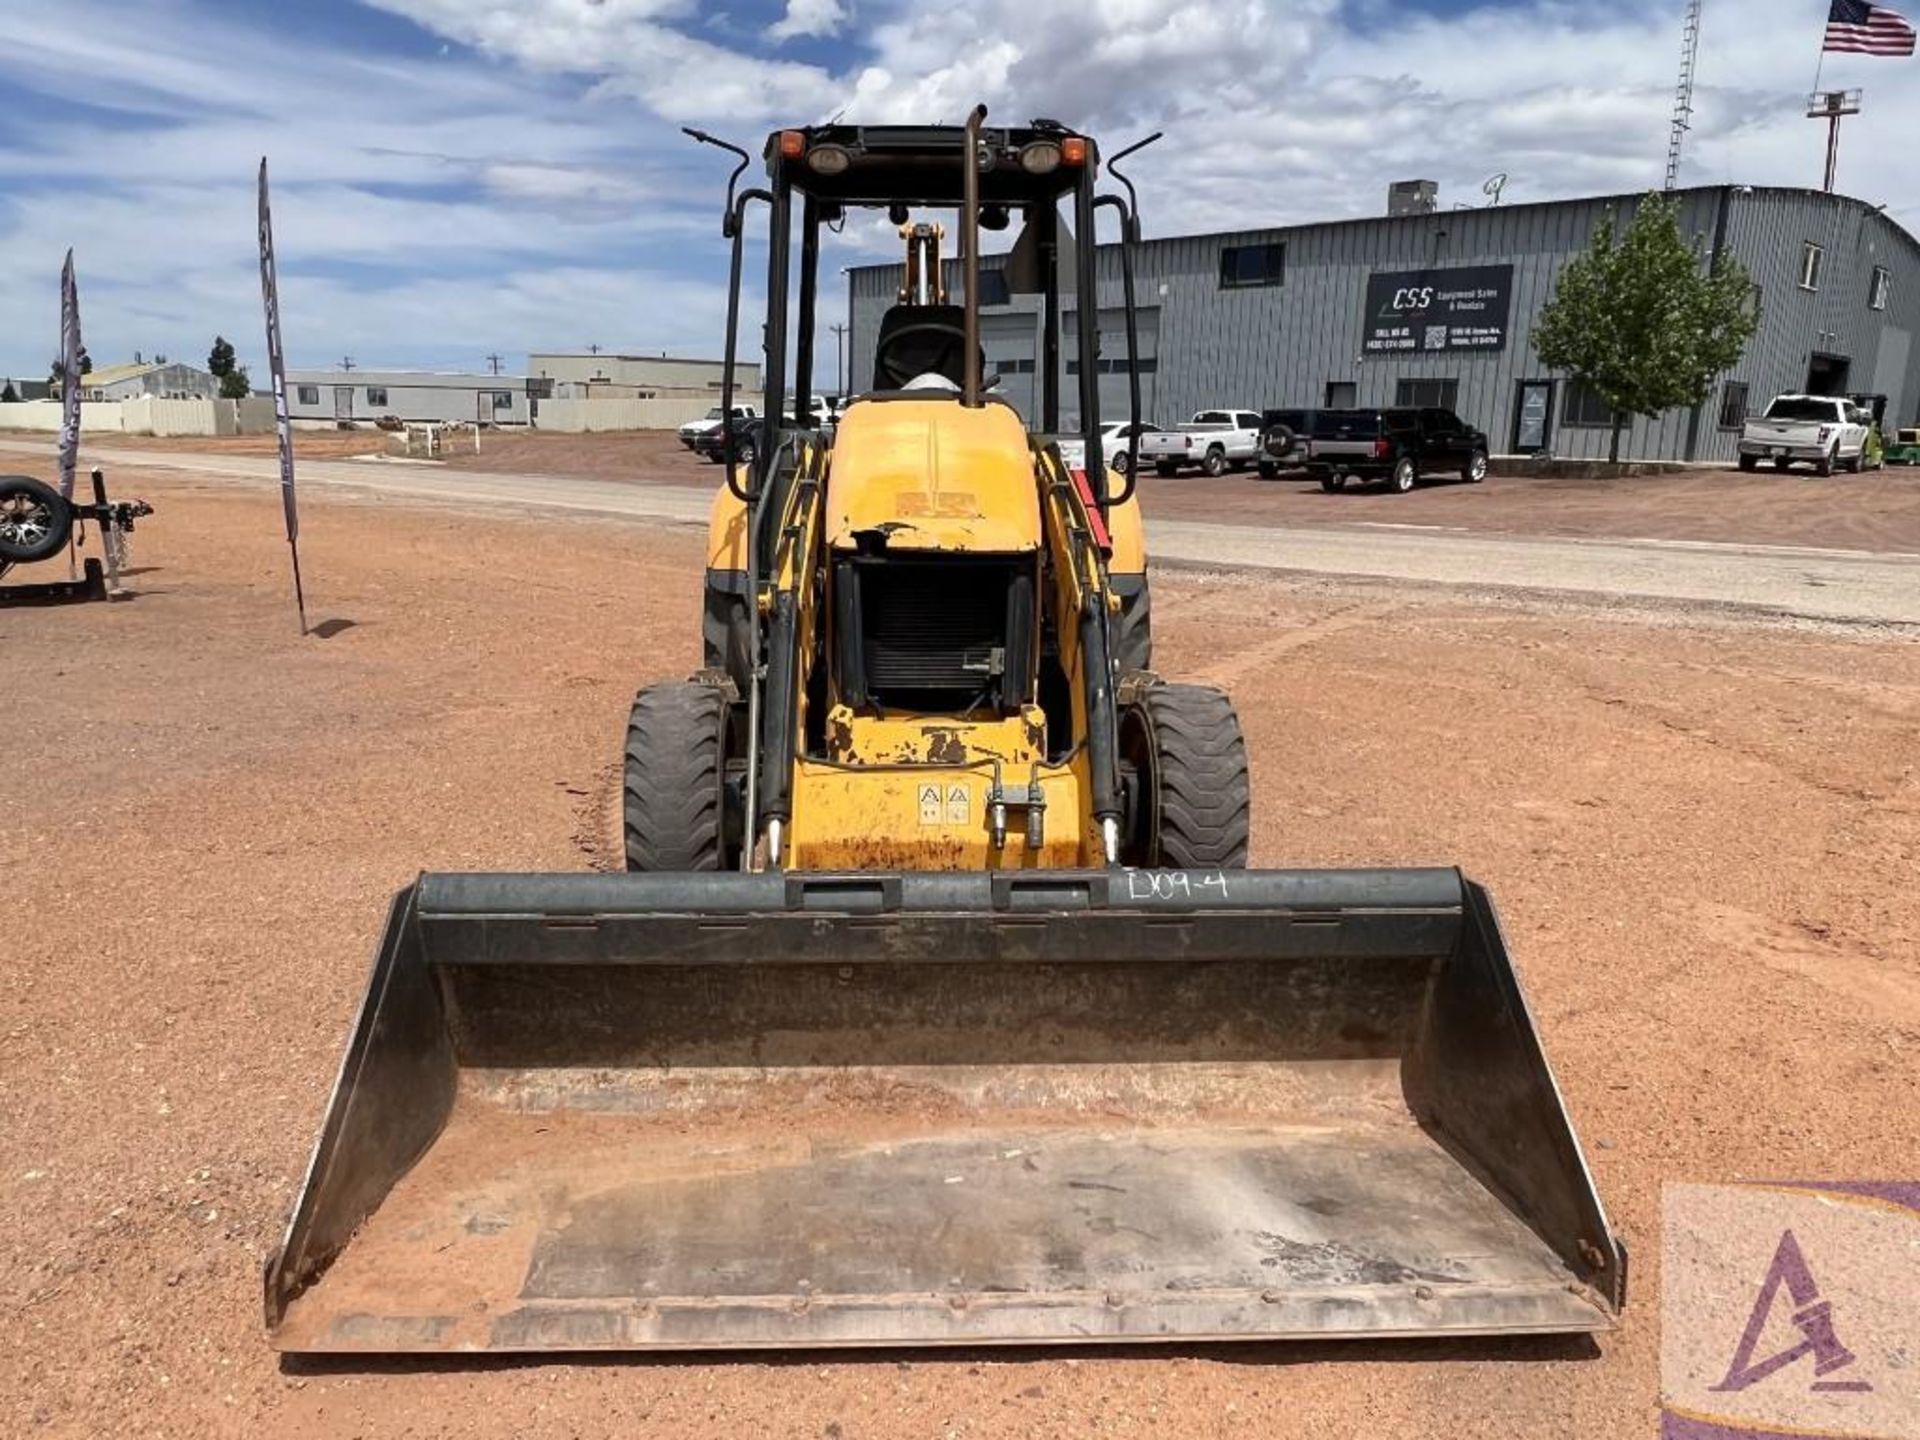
(1049, 893)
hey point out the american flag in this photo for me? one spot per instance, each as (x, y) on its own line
(1858, 28)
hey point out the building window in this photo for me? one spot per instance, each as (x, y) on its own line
(1810, 257)
(503, 400)
(1882, 283)
(1733, 405)
(993, 288)
(1243, 265)
(309, 394)
(1583, 406)
(376, 394)
(1427, 394)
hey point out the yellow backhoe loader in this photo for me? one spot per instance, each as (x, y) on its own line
(937, 1006)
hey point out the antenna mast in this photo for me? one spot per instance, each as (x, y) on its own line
(1683, 92)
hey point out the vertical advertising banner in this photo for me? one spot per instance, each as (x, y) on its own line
(69, 377)
(277, 369)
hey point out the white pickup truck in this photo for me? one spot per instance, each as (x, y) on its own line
(694, 431)
(1826, 431)
(1215, 440)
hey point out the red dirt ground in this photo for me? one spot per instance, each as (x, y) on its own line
(1702, 835)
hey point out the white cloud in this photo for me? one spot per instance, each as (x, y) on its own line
(808, 17)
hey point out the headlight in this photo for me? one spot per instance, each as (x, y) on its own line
(1040, 157)
(828, 159)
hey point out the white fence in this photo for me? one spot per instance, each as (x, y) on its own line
(576, 416)
(148, 415)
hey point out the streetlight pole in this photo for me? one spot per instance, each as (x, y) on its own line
(839, 359)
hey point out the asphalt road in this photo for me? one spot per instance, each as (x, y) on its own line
(1843, 586)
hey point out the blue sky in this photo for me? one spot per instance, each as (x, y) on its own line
(457, 177)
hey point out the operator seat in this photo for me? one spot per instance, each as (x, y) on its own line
(920, 340)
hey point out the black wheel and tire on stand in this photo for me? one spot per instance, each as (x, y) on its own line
(34, 520)
(679, 811)
(1188, 787)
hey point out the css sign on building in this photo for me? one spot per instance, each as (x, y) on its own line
(1415, 312)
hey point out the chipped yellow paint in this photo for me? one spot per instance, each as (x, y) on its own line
(855, 739)
(933, 817)
(933, 475)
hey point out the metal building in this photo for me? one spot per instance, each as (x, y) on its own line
(418, 396)
(1437, 307)
(594, 374)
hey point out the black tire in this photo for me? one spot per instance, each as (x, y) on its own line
(1331, 483)
(34, 521)
(1214, 463)
(1189, 762)
(1133, 630)
(676, 797)
(1118, 462)
(1749, 462)
(1856, 464)
(1269, 470)
(1404, 475)
(1823, 467)
(1475, 470)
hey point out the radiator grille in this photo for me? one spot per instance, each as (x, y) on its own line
(933, 627)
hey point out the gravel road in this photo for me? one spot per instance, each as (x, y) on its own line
(1834, 585)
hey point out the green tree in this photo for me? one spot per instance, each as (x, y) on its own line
(1642, 321)
(9, 396)
(234, 385)
(220, 360)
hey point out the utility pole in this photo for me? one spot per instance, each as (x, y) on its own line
(346, 362)
(839, 359)
(493, 362)
(593, 349)
(1683, 91)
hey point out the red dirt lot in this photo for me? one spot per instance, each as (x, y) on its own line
(1702, 834)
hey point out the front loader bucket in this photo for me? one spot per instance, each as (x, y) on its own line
(651, 1112)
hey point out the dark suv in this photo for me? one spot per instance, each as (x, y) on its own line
(1400, 445)
(712, 443)
(1283, 441)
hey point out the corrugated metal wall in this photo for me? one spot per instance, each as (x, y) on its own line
(1282, 345)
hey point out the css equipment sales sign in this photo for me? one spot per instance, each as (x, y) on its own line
(1416, 312)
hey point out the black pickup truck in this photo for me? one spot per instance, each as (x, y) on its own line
(1400, 445)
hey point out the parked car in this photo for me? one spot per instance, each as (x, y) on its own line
(1828, 432)
(1113, 445)
(709, 424)
(1283, 441)
(1214, 440)
(1905, 449)
(1399, 445)
(746, 440)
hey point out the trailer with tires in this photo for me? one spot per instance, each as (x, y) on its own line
(38, 523)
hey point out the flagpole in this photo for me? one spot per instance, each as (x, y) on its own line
(277, 368)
